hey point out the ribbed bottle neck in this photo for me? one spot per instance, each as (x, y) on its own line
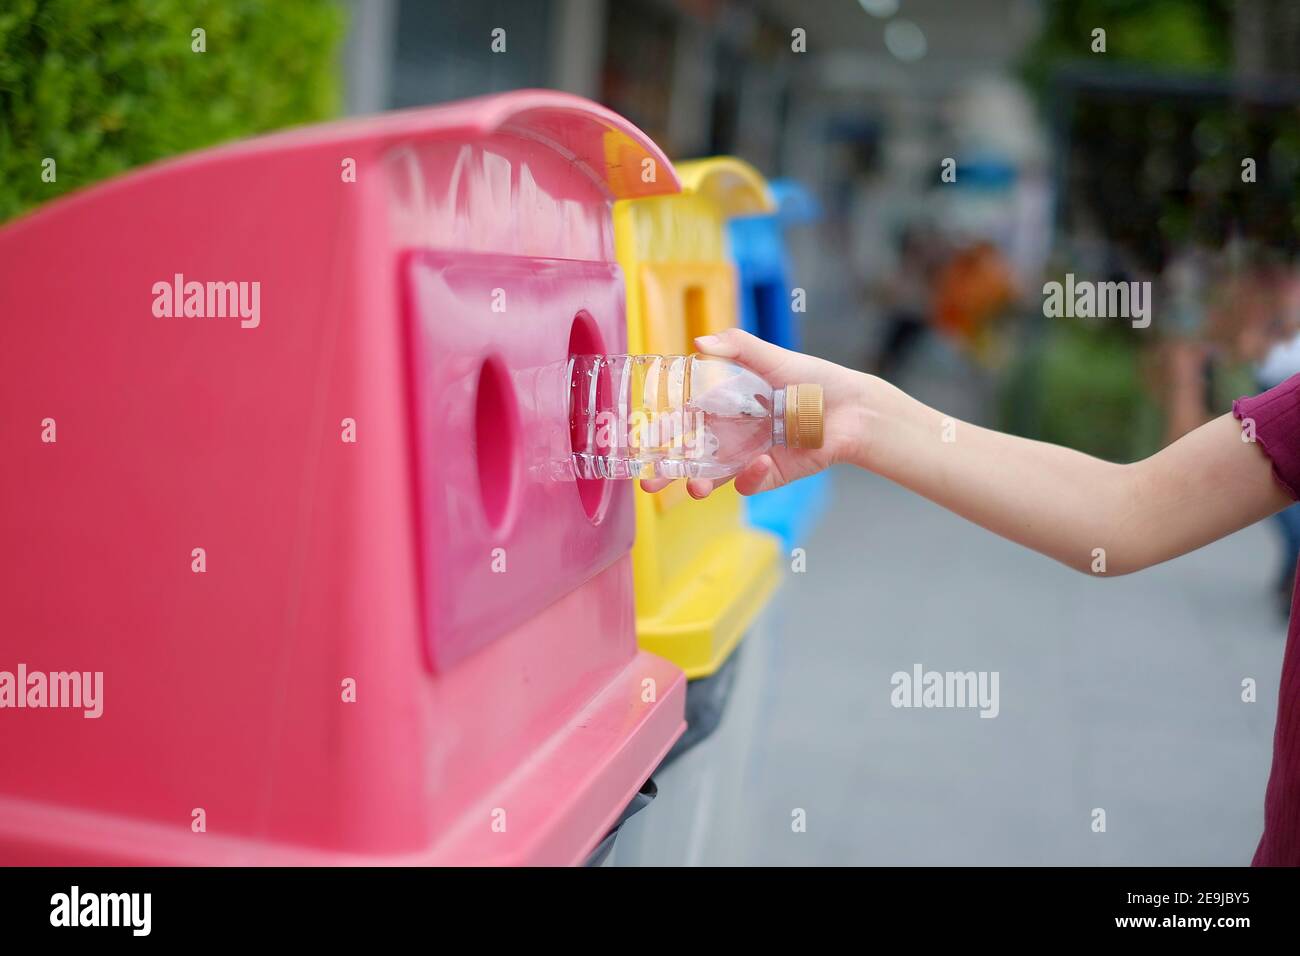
(778, 417)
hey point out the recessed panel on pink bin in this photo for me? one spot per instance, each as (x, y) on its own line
(345, 602)
(506, 537)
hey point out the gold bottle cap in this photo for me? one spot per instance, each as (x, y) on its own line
(804, 416)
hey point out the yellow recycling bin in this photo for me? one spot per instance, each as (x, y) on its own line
(702, 573)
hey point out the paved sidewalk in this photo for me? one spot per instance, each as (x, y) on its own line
(1123, 694)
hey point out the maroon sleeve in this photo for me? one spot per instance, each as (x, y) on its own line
(1276, 418)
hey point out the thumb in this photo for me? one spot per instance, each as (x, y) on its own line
(749, 350)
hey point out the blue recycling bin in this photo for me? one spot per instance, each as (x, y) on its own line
(763, 268)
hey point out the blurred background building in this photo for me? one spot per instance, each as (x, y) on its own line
(1122, 160)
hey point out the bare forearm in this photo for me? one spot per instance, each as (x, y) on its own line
(1089, 514)
(1082, 511)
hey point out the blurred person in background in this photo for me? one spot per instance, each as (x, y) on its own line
(1281, 360)
(974, 288)
(1186, 362)
(1226, 313)
(907, 297)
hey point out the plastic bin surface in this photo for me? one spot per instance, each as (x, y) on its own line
(702, 573)
(401, 641)
(763, 265)
(762, 260)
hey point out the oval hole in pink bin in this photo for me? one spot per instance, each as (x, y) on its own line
(496, 441)
(585, 339)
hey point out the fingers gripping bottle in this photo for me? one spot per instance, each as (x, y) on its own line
(681, 416)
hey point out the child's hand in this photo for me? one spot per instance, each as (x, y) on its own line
(843, 393)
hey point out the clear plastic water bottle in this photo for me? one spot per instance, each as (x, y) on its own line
(680, 416)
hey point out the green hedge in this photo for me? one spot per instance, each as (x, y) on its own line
(1165, 35)
(100, 86)
(1082, 387)
(1091, 393)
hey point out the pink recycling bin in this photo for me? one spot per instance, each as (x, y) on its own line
(276, 502)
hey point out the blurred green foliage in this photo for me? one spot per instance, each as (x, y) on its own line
(100, 86)
(1160, 34)
(1080, 386)
(1092, 394)
(1134, 159)
(1083, 385)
